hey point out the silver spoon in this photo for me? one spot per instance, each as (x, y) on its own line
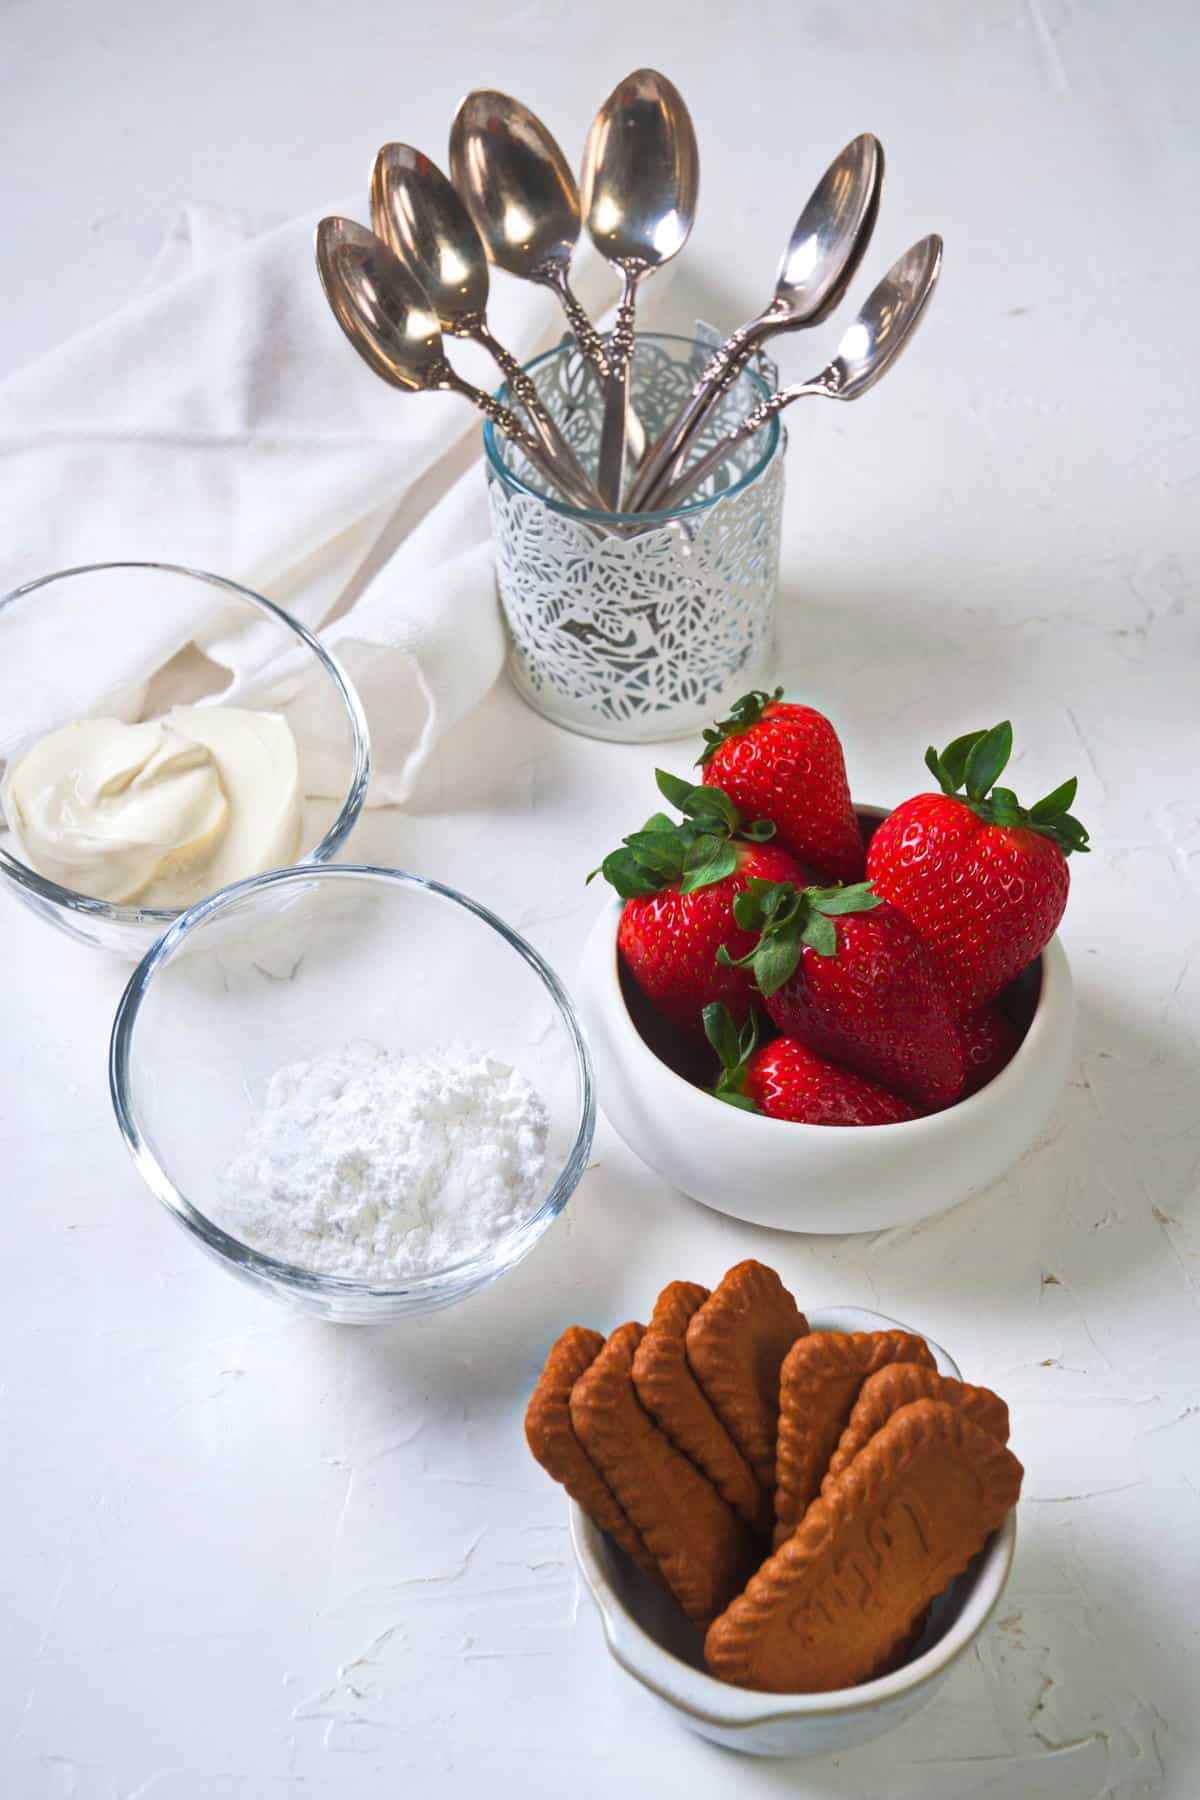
(418, 214)
(827, 244)
(518, 188)
(890, 315)
(384, 312)
(641, 175)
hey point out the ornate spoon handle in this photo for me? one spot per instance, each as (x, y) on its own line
(729, 357)
(588, 338)
(719, 372)
(616, 393)
(570, 474)
(444, 377)
(521, 385)
(758, 416)
(620, 344)
(754, 421)
(505, 421)
(553, 275)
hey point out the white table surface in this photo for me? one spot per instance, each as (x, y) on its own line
(248, 1555)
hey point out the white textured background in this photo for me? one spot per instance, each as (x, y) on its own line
(247, 1556)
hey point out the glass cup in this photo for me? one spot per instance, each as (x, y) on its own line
(639, 626)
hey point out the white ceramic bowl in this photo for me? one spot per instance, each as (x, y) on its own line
(649, 1637)
(819, 1178)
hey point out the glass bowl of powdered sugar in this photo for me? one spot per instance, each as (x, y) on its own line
(357, 1089)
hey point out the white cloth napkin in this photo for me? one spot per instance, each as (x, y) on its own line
(222, 421)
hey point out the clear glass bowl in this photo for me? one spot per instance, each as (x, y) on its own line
(293, 965)
(147, 628)
(639, 626)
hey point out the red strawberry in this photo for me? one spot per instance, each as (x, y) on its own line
(983, 880)
(670, 940)
(846, 973)
(783, 762)
(678, 882)
(786, 1081)
(991, 1040)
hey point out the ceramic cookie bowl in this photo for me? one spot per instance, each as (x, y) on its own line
(814, 1178)
(648, 1636)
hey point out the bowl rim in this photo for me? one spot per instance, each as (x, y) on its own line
(1053, 992)
(502, 1254)
(360, 741)
(775, 443)
(725, 1707)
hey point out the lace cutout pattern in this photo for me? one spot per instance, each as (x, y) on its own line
(639, 632)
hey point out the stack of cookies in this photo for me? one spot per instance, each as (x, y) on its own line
(726, 1427)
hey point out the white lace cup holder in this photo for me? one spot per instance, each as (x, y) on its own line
(639, 626)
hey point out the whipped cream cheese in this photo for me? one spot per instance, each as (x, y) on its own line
(160, 813)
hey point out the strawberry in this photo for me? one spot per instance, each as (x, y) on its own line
(785, 1080)
(847, 975)
(991, 1040)
(678, 882)
(784, 763)
(983, 880)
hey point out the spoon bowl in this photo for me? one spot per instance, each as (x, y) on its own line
(889, 316)
(381, 308)
(829, 238)
(516, 184)
(418, 214)
(641, 172)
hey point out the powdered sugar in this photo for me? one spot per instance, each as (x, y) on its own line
(382, 1167)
